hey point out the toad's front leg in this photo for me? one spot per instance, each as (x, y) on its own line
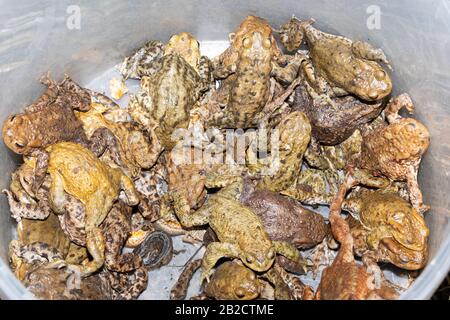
(318, 83)
(288, 73)
(214, 252)
(127, 185)
(374, 237)
(290, 252)
(223, 71)
(366, 51)
(395, 105)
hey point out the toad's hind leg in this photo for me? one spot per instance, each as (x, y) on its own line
(364, 177)
(308, 197)
(290, 252)
(180, 288)
(182, 210)
(139, 108)
(127, 289)
(214, 252)
(415, 194)
(95, 243)
(116, 231)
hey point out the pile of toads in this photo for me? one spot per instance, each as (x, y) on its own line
(102, 189)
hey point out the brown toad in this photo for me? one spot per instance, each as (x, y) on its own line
(167, 179)
(246, 67)
(388, 229)
(240, 231)
(48, 120)
(41, 240)
(57, 284)
(77, 172)
(286, 220)
(395, 150)
(333, 123)
(346, 66)
(168, 96)
(116, 229)
(152, 185)
(345, 279)
(51, 119)
(181, 175)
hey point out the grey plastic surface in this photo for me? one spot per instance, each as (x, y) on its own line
(38, 36)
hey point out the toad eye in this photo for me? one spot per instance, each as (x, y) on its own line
(240, 293)
(398, 217)
(247, 43)
(380, 75)
(19, 145)
(249, 259)
(267, 43)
